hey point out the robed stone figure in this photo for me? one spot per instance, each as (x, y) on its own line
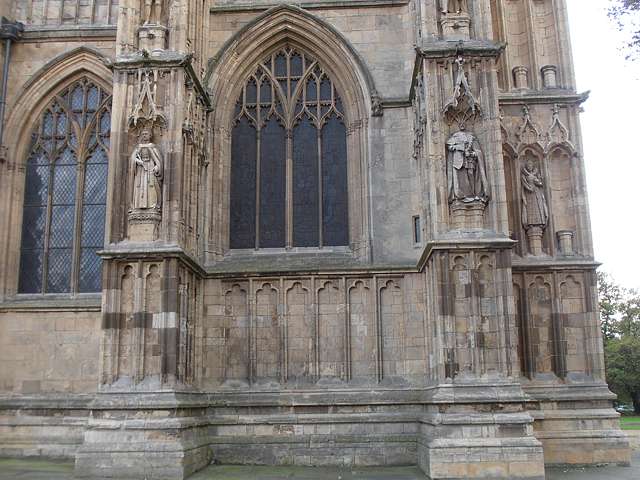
(466, 169)
(454, 6)
(148, 167)
(535, 212)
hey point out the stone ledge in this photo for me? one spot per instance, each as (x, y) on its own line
(64, 32)
(44, 304)
(309, 5)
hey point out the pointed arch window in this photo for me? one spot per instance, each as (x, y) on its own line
(65, 193)
(288, 157)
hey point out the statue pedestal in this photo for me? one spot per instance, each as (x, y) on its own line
(143, 225)
(565, 242)
(467, 216)
(455, 26)
(534, 236)
(152, 37)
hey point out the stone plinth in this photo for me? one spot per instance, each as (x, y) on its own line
(163, 441)
(549, 76)
(467, 216)
(152, 37)
(143, 225)
(495, 442)
(455, 26)
(534, 236)
(577, 426)
(565, 242)
(521, 76)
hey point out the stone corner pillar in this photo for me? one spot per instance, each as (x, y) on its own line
(146, 421)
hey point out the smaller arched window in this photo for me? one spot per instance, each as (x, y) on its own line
(65, 193)
(288, 157)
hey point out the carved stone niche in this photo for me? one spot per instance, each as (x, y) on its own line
(535, 209)
(467, 181)
(147, 171)
(455, 20)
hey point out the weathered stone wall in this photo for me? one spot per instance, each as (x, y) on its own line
(66, 12)
(321, 331)
(47, 350)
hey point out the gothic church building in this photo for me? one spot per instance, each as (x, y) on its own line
(340, 232)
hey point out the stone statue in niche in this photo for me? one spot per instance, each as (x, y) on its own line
(466, 170)
(535, 212)
(456, 7)
(148, 166)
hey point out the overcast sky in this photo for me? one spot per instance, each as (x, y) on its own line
(611, 131)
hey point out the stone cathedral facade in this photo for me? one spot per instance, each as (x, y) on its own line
(335, 233)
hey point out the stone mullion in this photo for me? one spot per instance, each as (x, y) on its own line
(77, 226)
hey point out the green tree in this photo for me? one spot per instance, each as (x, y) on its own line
(626, 14)
(610, 295)
(629, 324)
(622, 357)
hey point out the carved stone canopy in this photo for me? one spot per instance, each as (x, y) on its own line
(462, 105)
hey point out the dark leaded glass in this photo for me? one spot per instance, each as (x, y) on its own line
(33, 227)
(62, 226)
(272, 185)
(277, 126)
(59, 263)
(92, 226)
(90, 271)
(243, 186)
(31, 262)
(37, 185)
(306, 193)
(335, 218)
(52, 245)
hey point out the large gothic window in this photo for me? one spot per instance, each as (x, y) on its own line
(65, 193)
(288, 157)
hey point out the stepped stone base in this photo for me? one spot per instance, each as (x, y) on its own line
(450, 431)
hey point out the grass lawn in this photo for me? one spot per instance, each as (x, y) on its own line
(630, 422)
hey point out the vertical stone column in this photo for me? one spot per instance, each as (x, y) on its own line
(152, 284)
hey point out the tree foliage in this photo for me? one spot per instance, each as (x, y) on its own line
(622, 357)
(610, 301)
(626, 14)
(620, 323)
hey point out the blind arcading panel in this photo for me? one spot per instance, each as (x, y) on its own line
(289, 157)
(65, 193)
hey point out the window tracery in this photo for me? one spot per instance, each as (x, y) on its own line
(289, 157)
(65, 193)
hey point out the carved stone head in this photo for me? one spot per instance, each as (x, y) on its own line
(146, 135)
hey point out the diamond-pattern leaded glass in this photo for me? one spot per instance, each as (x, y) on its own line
(288, 154)
(65, 193)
